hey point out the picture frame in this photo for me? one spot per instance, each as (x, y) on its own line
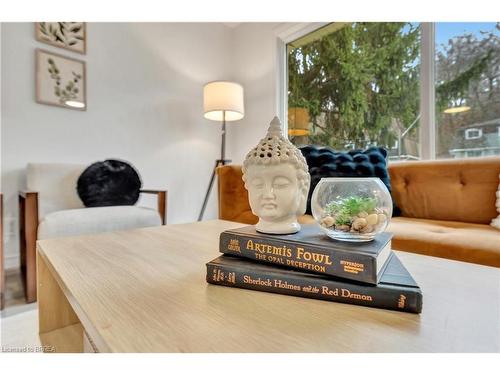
(68, 35)
(60, 80)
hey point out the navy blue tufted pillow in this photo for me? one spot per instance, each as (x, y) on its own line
(325, 162)
(109, 183)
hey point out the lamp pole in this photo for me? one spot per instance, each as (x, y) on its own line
(223, 140)
(218, 163)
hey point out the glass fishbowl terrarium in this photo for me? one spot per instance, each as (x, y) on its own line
(352, 209)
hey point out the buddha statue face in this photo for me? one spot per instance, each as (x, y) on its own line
(277, 179)
(274, 191)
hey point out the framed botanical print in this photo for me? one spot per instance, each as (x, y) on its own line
(69, 35)
(60, 80)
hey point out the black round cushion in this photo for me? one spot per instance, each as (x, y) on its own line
(109, 183)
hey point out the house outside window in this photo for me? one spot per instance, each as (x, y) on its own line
(479, 139)
(473, 133)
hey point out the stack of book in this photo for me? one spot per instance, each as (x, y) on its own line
(309, 264)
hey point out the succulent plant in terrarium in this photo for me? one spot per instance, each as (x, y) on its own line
(353, 214)
(351, 208)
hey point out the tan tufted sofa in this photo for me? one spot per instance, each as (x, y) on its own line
(446, 205)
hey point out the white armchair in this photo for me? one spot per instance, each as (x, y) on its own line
(50, 208)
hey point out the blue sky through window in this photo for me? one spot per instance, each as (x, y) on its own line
(448, 30)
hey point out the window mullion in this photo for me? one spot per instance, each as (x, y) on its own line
(427, 93)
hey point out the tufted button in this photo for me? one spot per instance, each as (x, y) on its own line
(461, 179)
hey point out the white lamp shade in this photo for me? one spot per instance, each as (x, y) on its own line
(220, 96)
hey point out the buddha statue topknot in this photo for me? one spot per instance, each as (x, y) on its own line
(277, 179)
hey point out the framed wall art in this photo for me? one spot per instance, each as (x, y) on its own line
(69, 35)
(60, 80)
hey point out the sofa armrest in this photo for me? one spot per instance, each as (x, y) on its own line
(161, 196)
(233, 196)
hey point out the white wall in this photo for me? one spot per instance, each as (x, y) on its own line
(255, 55)
(144, 105)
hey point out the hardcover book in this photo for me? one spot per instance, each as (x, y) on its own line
(310, 250)
(397, 290)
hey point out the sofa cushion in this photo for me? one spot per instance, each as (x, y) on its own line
(474, 243)
(325, 162)
(96, 220)
(454, 190)
(109, 183)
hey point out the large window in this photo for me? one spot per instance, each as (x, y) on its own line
(352, 85)
(467, 89)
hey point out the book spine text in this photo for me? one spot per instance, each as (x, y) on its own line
(349, 265)
(385, 297)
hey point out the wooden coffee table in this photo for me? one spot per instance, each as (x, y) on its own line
(144, 291)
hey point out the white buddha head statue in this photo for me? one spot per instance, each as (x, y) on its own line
(277, 179)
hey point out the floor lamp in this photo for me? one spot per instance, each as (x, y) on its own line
(222, 101)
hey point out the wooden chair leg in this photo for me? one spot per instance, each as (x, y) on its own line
(28, 225)
(162, 209)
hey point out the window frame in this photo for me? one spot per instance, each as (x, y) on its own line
(286, 34)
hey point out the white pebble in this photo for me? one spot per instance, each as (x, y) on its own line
(328, 221)
(359, 223)
(372, 219)
(367, 229)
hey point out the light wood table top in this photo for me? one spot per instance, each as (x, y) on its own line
(145, 291)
